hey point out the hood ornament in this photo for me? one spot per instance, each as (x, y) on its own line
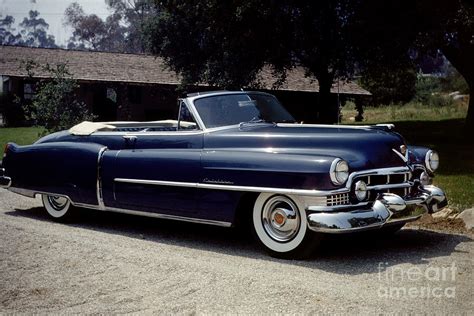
(403, 153)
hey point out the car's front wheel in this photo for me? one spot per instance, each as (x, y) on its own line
(59, 208)
(280, 225)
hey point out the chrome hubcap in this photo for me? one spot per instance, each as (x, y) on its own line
(57, 202)
(280, 218)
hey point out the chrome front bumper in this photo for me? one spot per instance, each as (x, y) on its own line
(5, 182)
(387, 209)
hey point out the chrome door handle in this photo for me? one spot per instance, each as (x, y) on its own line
(130, 138)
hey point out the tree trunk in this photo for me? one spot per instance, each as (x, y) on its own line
(461, 58)
(470, 109)
(328, 107)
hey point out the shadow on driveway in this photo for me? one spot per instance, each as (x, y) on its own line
(341, 254)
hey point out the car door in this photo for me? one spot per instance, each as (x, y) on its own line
(155, 171)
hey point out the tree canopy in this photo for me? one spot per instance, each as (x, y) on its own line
(227, 43)
(119, 32)
(33, 32)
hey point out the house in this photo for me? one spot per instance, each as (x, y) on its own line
(119, 86)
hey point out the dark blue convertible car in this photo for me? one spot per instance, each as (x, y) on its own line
(228, 158)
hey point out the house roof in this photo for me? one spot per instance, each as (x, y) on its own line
(134, 68)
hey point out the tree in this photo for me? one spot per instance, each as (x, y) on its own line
(34, 32)
(119, 32)
(395, 84)
(397, 28)
(91, 32)
(454, 36)
(134, 14)
(7, 36)
(55, 105)
(227, 43)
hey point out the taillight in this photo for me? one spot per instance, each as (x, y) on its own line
(5, 150)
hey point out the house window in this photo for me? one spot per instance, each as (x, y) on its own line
(4, 84)
(112, 94)
(28, 90)
(135, 94)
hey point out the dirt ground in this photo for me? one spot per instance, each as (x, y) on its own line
(115, 263)
(455, 225)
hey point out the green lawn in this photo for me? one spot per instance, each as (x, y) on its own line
(19, 135)
(456, 149)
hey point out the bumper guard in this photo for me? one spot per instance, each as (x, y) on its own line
(387, 209)
(5, 182)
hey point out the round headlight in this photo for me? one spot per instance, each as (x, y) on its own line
(339, 171)
(432, 160)
(360, 190)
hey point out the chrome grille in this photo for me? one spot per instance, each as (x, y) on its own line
(338, 199)
(397, 183)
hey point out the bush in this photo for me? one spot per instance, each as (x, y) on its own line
(392, 85)
(426, 87)
(55, 105)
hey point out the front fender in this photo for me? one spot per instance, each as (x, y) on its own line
(417, 154)
(266, 169)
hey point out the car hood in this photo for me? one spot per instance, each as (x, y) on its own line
(362, 147)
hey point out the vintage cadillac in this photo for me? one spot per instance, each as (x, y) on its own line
(230, 158)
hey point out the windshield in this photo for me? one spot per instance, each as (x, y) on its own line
(232, 109)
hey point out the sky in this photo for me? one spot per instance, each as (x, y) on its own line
(53, 13)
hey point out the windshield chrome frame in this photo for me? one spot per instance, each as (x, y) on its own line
(190, 102)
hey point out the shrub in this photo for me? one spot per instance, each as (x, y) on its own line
(55, 105)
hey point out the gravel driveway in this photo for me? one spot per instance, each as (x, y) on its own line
(114, 263)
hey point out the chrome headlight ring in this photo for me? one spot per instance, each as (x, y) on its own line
(339, 171)
(431, 160)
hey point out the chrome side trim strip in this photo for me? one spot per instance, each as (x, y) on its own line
(198, 185)
(232, 187)
(154, 133)
(100, 199)
(31, 193)
(341, 126)
(93, 207)
(172, 217)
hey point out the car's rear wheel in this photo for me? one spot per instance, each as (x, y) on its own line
(59, 208)
(280, 225)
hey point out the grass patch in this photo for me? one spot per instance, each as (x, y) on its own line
(19, 135)
(439, 128)
(413, 111)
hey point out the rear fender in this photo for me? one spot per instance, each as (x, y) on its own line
(62, 168)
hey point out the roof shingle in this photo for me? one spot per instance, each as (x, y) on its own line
(133, 68)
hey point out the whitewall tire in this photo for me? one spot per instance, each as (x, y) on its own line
(57, 207)
(280, 225)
